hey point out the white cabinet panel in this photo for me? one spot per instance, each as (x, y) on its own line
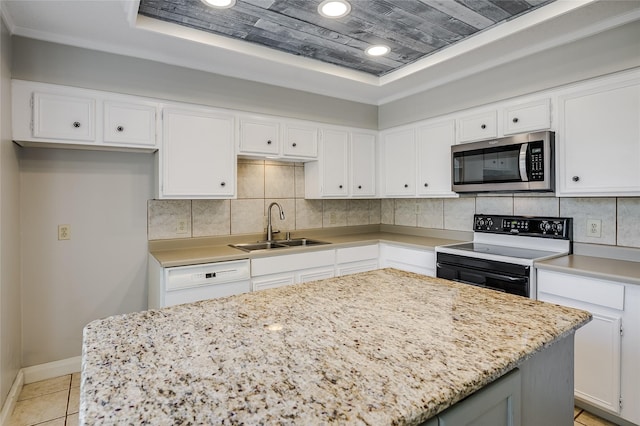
(198, 156)
(315, 274)
(68, 118)
(478, 126)
(334, 162)
(130, 123)
(434, 158)
(528, 117)
(398, 159)
(599, 141)
(421, 261)
(300, 141)
(259, 136)
(362, 158)
(272, 281)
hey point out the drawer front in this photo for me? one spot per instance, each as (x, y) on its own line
(63, 117)
(355, 254)
(129, 124)
(292, 262)
(528, 117)
(478, 127)
(589, 290)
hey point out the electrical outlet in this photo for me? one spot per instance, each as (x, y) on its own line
(594, 228)
(64, 232)
(181, 226)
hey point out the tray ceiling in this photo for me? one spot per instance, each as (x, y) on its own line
(413, 29)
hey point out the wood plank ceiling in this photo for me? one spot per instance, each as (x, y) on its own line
(412, 29)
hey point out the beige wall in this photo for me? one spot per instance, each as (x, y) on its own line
(10, 320)
(102, 269)
(614, 50)
(54, 63)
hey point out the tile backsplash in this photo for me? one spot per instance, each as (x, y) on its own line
(262, 182)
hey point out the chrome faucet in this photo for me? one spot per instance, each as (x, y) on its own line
(270, 230)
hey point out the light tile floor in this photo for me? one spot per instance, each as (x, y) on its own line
(54, 402)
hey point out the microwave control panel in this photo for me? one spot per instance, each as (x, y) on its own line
(536, 161)
(548, 227)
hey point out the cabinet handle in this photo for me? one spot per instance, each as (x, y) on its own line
(294, 144)
(76, 124)
(120, 129)
(223, 183)
(515, 119)
(484, 126)
(268, 142)
(575, 178)
(406, 185)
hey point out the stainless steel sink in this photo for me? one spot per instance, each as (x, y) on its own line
(270, 245)
(301, 242)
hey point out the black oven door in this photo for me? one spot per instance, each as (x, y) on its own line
(500, 276)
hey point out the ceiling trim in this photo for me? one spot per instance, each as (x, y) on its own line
(4, 13)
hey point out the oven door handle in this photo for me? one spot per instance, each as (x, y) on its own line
(488, 274)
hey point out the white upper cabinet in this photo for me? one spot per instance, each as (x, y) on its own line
(362, 160)
(476, 127)
(599, 140)
(527, 117)
(434, 143)
(300, 141)
(197, 159)
(345, 166)
(130, 123)
(398, 162)
(276, 138)
(68, 116)
(259, 136)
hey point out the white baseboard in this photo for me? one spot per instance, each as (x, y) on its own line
(12, 399)
(52, 369)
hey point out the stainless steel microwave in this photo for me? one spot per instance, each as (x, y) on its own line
(519, 163)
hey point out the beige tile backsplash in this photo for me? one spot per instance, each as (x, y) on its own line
(261, 182)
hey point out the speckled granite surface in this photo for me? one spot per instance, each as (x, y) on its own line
(382, 347)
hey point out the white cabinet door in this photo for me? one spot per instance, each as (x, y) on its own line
(198, 156)
(300, 141)
(408, 259)
(597, 368)
(434, 159)
(351, 260)
(129, 123)
(315, 274)
(599, 141)
(478, 126)
(272, 281)
(363, 164)
(334, 162)
(259, 136)
(528, 117)
(399, 163)
(68, 118)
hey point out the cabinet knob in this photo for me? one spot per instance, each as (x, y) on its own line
(406, 185)
(223, 183)
(575, 178)
(76, 124)
(515, 119)
(426, 184)
(294, 144)
(269, 142)
(340, 186)
(120, 129)
(359, 186)
(484, 126)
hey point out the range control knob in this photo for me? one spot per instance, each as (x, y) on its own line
(559, 227)
(547, 227)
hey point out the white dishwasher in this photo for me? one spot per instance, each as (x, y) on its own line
(185, 284)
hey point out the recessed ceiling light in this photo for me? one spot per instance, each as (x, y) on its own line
(378, 50)
(220, 4)
(334, 8)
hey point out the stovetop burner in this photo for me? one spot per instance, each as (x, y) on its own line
(499, 250)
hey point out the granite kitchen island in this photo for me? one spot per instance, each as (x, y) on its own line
(382, 347)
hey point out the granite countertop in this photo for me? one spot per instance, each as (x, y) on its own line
(219, 252)
(596, 267)
(380, 347)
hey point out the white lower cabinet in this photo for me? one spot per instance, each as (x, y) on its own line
(421, 261)
(352, 260)
(607, 349)
(282, 270)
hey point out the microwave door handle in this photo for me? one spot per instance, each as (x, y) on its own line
(523, 162)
